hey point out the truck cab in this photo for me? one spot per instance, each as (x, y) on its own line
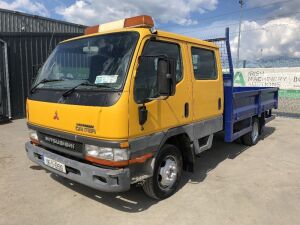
(126, 104)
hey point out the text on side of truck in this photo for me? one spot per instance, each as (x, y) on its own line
(126, 104)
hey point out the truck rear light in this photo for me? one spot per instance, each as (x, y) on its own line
(137, 21)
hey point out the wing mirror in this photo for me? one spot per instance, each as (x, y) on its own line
(166, 77)
(158, 79)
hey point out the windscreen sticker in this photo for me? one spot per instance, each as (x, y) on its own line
(106, 79)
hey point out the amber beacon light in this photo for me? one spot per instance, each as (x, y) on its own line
(137, 21)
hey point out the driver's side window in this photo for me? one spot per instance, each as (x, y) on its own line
(146, 78)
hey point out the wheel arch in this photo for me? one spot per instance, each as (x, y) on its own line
(182, 139)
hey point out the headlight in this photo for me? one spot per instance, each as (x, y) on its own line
(33, 136)
(112, 154)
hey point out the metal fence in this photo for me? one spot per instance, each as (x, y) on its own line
(289, 98)
(25, 51)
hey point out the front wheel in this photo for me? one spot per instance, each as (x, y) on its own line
(252, 137)
(167, 173)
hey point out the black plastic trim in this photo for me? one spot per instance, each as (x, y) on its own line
(75, 138)
(86, 98)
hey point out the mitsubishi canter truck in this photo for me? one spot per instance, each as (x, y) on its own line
(128, 104)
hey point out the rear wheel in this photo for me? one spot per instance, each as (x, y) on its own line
(167, 173)
(252, 137)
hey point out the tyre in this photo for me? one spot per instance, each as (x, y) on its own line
(166, 175)
(252, 137)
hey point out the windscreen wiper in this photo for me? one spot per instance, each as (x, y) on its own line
(85, 83)
(33, 89)
(70, 91)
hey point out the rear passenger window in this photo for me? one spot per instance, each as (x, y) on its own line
(204, 64)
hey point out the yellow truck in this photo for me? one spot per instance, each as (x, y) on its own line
(128, 104)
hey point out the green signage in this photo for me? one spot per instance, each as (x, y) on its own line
(239, 79)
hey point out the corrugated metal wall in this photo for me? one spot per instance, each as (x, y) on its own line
(5, 112)
(30, 39)
(12, 21)
(24, 51)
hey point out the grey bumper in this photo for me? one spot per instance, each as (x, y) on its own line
(98, 178)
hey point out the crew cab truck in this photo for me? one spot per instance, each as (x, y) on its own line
(126, 103)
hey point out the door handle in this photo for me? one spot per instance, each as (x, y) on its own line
(219, 104)
(186, 110)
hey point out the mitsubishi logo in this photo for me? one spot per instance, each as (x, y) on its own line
(55, 117)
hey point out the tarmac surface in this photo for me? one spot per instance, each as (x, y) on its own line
(232, 184)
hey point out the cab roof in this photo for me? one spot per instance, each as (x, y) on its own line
(146, 32)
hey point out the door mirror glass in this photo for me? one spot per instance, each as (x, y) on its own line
(166, 77)
(156, 78)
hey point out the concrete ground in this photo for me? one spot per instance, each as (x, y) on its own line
(232, 184)
(288, 107)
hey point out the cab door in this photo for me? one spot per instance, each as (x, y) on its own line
(207, 82)
(162, 113)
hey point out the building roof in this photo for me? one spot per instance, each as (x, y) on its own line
(14, 21)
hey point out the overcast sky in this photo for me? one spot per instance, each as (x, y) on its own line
(269, 28)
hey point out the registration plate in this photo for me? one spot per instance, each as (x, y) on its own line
(55, 165)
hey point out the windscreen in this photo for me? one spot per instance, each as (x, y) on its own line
(100, 60)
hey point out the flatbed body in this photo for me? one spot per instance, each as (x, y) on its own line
(245, 103)
(242, 103)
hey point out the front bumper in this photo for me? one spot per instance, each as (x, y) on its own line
(108, 180)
